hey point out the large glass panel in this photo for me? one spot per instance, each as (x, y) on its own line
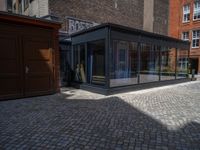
(182, 64)
(76, 75)
(124, 70)
(96, 62)
(149, 64)
(168, 63)
(79, 63)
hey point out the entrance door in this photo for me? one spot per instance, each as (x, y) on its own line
(96, 65)
(38, 66)
(122, 60)
(194, 64)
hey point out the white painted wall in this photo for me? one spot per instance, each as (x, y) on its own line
(38, 8)
(3, 5)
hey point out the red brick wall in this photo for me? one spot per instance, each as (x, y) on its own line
(174, 18)
(176, 26)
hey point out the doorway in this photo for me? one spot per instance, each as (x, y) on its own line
(194, 64)
(79, 64)
(96, 62)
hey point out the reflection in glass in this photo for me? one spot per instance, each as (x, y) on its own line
(96, 62)
(168, 63)
(124, 70)
(149, 64)
(182, 63)
(79, 64)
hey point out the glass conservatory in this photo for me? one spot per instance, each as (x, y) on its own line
(110, 56)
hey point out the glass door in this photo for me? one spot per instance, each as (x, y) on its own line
(96, 62)
(79, 64)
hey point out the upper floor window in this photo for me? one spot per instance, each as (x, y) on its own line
(196, 10)
(185, 36)
(9, 5)
(26, 4)
(186, 13)
(195, 38)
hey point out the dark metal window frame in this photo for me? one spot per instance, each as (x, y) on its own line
(26, 4)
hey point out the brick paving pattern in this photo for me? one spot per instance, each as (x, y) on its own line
(160, 118)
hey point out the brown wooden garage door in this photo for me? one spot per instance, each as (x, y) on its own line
(10, 66)
(38, 66)
(26, 65)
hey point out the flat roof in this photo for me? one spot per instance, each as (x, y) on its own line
(17, 18)
(129, 30)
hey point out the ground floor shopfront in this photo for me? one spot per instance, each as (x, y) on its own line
(111, 56)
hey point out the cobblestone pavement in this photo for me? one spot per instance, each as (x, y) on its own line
(160, 118)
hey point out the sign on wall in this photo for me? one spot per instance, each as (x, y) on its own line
(75, 25)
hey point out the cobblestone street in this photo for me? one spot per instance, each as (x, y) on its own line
(159, 118)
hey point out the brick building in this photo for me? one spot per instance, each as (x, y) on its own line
(149, 15)
(185, 24)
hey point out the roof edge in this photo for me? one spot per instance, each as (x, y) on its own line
(117, 26)
(11, 17)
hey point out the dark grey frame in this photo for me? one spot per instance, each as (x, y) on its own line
(110, 32)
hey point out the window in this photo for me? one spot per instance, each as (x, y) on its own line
(149, 63)
(196, 10)
(186, 13)
(96, 62)
(79, 63)
(26, 4)
(195, 38)
(9, 5)
(168, 61)
(14, 7)
(185, 36)
(124, 63)
(20, 6)
(182, 63)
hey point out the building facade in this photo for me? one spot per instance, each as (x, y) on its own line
(34, 8)
(185, 24)
(151, 15)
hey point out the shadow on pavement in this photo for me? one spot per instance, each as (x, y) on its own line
(110, 123)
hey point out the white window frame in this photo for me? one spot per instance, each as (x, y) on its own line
(183, 63)
(186, 12)
(185, 36)
(196, 10)
(195, 38)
